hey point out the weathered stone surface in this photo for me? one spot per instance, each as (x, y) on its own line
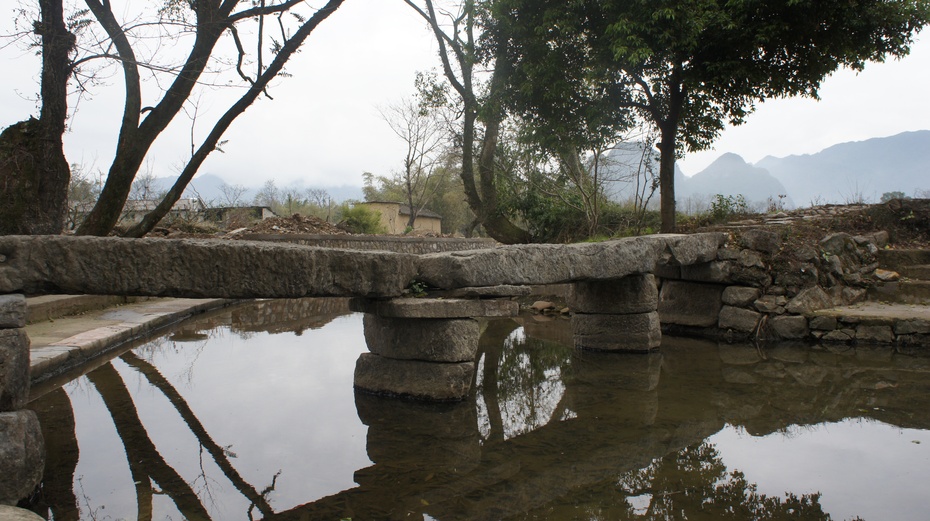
(690, 303)
(887, 275)
(640, 332)
(839, 335)
(809, 300)
(22, 455)
(874, 334)
(632, 294)
(716, 271)
(790, 327)
(750, 259)
(8, 513)
(760, 240)
(196, 268)
(427, 339)
(437, 308)
(908, 327)
(413, 378)
(837, 243)
(12, 311)
(738, 319)
(14, 369)
(505, 290)
(557, 263)
(823, 323)
(770, 304)
(740, 296)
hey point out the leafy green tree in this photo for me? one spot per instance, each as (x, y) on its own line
(359, 219)
(686, 66)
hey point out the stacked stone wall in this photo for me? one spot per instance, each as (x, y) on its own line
(414, 245)
(766, 285)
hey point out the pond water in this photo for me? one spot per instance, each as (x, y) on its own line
(250, 413)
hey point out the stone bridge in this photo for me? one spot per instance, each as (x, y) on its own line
(421, 348)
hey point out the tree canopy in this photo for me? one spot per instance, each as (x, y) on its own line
(688, 67)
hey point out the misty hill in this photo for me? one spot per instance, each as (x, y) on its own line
(628, 163)
(209, 188)
(857, 170)
(730, 175)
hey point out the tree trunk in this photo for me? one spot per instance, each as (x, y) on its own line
(667, 178)
(290, 47)
(34, 173)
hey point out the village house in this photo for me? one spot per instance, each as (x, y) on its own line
(394, 218)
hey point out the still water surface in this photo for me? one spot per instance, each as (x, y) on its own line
(250, 413)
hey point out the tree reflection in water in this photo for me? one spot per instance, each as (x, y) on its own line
(552, 433)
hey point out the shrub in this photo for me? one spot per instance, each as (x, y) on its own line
(359, 219)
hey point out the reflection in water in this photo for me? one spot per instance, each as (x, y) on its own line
(237, 423)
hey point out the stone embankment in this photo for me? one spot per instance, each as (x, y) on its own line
(776, 280)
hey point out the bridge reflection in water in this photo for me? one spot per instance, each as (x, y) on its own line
(222, 420)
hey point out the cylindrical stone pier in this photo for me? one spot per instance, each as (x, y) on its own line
(616, 315)
(423, 348)
(22, 450)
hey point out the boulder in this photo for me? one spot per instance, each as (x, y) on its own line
(740, 296)
(12, 311)
(790, 327)
(430, 340)
(22, 455)
(738, 319)
(760, 240)
(809, 300)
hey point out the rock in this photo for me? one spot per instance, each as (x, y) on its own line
(197, 268)
(839, 336)
(632, 294)
(790, 327)
(837, 243)
(437, 308)
(542, 305)
(22, 455)
(640, 332)
(809, 300)
(486, 292)
(908, 327)
(716, 271)
(760, 240)
(413, 379)
(431, 340)
(886, 275)
(690, 303)
(738, 319)
(14, 369)
(740, 296)
(750, 259)
(823, 323)
(12, 311)
(874, 334)
(771, 304)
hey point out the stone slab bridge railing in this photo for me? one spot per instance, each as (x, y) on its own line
(420, 348)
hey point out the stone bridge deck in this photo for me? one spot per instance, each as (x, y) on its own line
(241, 269)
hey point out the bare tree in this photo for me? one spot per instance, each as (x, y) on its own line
(232, 194)
(423, 132)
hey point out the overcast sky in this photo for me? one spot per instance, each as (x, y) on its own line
(323, 127)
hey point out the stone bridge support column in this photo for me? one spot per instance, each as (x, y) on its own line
(616, 314)
(423, 348)
(22, 450)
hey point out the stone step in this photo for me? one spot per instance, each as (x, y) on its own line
(919, 271)
(897, 260)
(901, 292)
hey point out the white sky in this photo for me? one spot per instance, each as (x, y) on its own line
(323, 127)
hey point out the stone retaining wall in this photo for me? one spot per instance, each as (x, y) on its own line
(765, 286)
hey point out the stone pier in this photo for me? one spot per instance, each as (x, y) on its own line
(423, 348)
(617, 314)
(22, 450)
